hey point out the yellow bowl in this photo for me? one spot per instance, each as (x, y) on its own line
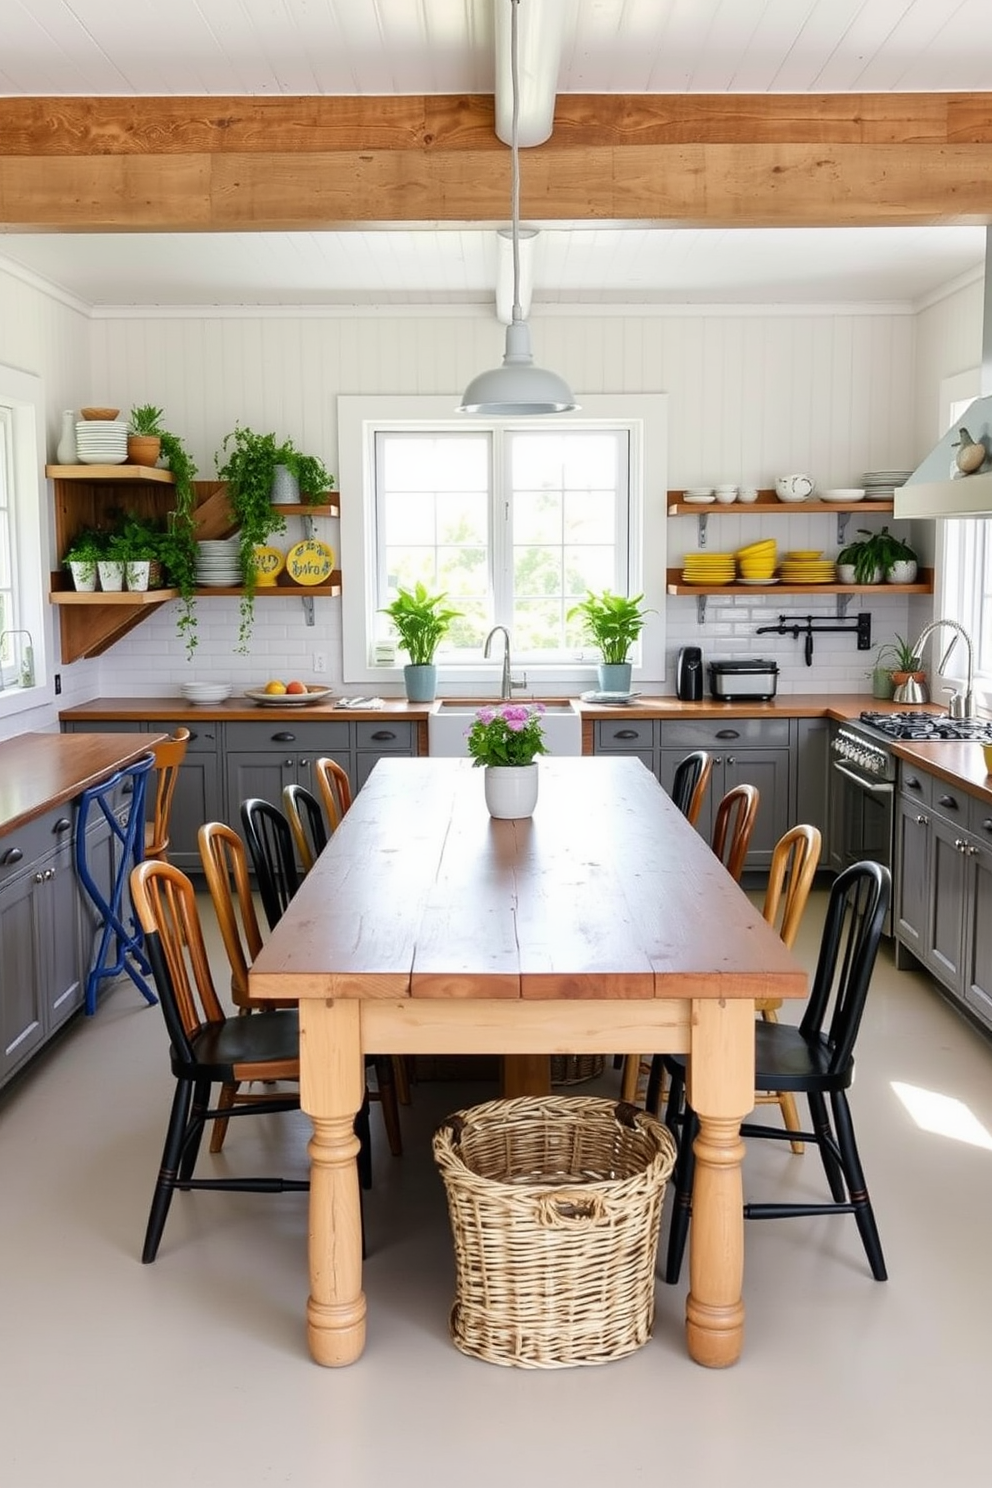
(752, 549)
(987, 751)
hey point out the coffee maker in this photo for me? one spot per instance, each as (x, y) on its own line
(689, 674)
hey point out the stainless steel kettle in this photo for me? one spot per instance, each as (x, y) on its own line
(911, 691)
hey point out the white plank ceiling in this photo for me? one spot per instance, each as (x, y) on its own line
(285, 47)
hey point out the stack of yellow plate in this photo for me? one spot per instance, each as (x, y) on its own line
(757, 560)
(708, 568)
(808, 566)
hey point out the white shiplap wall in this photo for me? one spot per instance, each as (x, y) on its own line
(750, 395)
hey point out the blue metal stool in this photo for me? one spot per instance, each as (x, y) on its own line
(127, 845)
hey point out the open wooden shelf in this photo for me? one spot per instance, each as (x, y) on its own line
(675, 584)
(768, 504)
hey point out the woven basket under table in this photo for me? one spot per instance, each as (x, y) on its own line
(555, 1205)
(574, 1069)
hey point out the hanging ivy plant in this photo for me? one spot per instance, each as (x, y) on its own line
(177, 545)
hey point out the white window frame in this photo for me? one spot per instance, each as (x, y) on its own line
(643, 414)
(21, 393)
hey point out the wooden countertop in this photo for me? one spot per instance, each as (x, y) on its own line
(40, 771)
(241, 709)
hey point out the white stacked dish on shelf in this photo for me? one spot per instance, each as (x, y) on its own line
(843, 493)
(881, 484)
(218, 563)
(101, 441)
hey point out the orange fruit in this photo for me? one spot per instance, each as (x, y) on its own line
(296, 687)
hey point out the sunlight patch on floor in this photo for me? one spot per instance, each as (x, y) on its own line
(942, 1114)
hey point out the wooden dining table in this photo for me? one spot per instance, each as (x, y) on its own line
(601, 924)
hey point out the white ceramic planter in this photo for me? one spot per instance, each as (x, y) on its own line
(111, 576)
(903, 572)
(511, 791)
(83, 575)
(136, 573)
(845, 575)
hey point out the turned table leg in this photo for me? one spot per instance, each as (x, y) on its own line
(332, 1084)
(721, 1091)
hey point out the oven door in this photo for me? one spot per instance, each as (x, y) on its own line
(861, 820)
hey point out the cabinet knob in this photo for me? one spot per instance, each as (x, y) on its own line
(924, 821)
(383, 736)
(731, 759)
(972, 850)
(987, 824)
(912, 783)
(289, 763)
(728, 733)
(305, 763)
(949, 801)
(960, 846)
(12, 855)
(62, 825)
(39, 878)
(284, 738)
(625, 733)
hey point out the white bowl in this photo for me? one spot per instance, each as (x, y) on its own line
(784, 496)
(205, 692)
(725, 497)
(747, 494)
(844, 493)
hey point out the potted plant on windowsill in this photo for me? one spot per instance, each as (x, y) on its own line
(248, 464)
(421, 620)
(613, 622)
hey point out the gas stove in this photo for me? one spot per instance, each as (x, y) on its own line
(929, 726)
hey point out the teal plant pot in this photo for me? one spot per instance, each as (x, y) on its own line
(614, 677)
(421, 683)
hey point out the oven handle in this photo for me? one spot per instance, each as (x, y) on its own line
(866, 785)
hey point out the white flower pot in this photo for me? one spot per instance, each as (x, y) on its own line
(902, 572)
(845, 575)
(511, 791)
(136, 573)
(83, 575)
(111, 575)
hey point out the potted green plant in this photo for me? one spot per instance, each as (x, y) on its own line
(613, 622)
(135, 543)
(874, 557)
(421, 620)
(897, 661)
(144, 439)
(297, 475)
(85, 551)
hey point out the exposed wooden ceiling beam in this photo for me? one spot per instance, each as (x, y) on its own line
(238, 164)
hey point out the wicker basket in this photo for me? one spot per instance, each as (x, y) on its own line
(555, 1205)
(575, 1069)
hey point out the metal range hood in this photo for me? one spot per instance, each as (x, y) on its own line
(932, 490)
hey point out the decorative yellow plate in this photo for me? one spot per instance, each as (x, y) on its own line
(310, 562)
(269, 564)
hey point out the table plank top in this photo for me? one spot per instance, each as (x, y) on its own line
(605, 893)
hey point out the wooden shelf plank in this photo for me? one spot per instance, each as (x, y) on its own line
(676, 585)
(143, 473)
(101, 597)
(769, 504)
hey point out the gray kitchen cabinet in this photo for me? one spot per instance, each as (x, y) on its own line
(746, 751)
(376, 741)
(811, 752)
(911, 873)
(261, 758)
(197, 797)
(40, 936)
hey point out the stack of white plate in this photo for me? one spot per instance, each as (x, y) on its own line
(101, 441)
(218, 563)
(881, 484)
(205, 692)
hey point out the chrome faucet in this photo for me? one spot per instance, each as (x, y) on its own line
(507, 683)
(962, 704)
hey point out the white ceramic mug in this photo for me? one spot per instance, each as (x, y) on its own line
(796, 486)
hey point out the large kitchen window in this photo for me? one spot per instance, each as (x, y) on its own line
(23, 580)
(515, 521)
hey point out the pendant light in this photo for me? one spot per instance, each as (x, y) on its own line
(517, 388)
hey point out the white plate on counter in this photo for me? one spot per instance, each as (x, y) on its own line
(613, 699)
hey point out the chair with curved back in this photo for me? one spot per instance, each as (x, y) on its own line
(206, 1046)
(169, 755)
(733, 826)
(335, 789)
(273, 858)
(271, 848)
(690, 782)
(306, 822)
(816, 1059)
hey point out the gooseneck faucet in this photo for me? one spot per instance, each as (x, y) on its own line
(506, 684)
(962, 705)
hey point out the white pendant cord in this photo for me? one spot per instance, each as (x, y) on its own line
(516, 313)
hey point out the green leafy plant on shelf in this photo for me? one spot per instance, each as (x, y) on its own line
(874, 554)
(146, 419)
(422, 620)
(177, 544)
(87, 548)
(248, 463)
(612, 622)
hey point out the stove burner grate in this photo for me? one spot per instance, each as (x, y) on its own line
(924, 726)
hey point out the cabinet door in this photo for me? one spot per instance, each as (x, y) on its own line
(812, 758)
(197, 797)
(22, 1009)
(911, 874)
(978, 954)
(376, 741)
(944, 951)
(262, 773)
(768, 770)
(62, 903)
